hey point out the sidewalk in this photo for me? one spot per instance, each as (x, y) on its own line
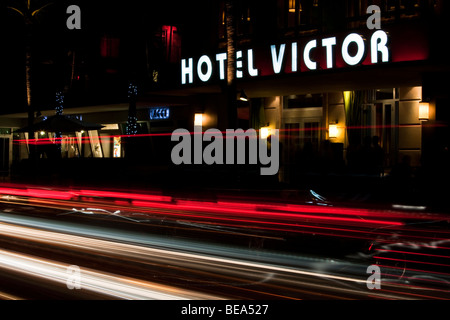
(206, 182)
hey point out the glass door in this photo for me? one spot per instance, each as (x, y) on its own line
(4, 156)
(389, 136)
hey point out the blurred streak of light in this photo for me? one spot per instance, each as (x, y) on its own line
(105, 246)
(69, 194)
(7, 296)
(208, 262)
(282, 217)
(414, 253)
(221, 221)
(168, 202)
(269, 217)
(211, 259)
(122, 195)
(431, 279)
(333, 221)
(415, 270)
(85, 139)
(408, 207)
(276, 217)
(107, 284)
(413, 261)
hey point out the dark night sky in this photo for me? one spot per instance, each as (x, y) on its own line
(52, 40)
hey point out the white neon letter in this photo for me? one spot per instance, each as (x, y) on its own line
(277, 60)
(204, 76)
(187, 70)
(329, 43)
(378, 42)
(238, 64)
(356, 38)
(251, 70)
(221, 57)
(306, 55)
(294, 57)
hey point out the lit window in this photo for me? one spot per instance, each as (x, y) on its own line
(109, 47)
(292, 5)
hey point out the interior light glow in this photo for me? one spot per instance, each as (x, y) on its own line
(332, 131)
(264, 132)
(291, 5)
(424, 111)
(198, 119)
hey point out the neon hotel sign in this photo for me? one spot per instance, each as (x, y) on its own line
(353, 51)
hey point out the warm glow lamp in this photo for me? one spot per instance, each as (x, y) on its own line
(243, 96)
(291, 5)
(264, 132)
(332, 131)
(424, 111)
(198, 119)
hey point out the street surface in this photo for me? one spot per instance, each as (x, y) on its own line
(109, 244)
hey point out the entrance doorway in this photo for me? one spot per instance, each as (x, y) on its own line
(4, 156)
(380, 120)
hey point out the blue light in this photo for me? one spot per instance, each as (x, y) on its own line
(160, 113)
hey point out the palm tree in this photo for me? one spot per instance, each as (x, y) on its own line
(231, 89)
(29, 16)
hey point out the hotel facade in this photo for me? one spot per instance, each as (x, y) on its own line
(347, 96)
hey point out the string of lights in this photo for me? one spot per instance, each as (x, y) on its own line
(59, 103)
(132, 118)
(59, 111)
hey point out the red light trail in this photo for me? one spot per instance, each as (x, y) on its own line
(391, 238)
(86, 139)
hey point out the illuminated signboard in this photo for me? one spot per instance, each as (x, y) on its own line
(159, 113)
(313, 54)
(351, 50)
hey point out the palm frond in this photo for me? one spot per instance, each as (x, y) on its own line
(41, 9)
(17, 10)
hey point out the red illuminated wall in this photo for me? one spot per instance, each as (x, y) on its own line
(172, 43)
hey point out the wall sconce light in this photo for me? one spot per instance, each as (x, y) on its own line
(291, 5)
(243, 96)
(198, 119)
(264, 132)
(424, 111)
(332, 131)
